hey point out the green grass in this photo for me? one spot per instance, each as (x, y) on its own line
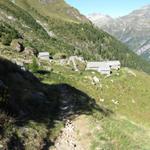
(57, 9)
(119, 134)
(130, 88)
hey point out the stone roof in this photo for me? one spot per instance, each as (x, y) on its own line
(43, 54)
(95, 64)
(103, 64)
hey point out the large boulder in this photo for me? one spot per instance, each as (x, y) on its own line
(17, 45)
(30, 51)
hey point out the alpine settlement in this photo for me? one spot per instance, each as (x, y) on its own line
(103, 67)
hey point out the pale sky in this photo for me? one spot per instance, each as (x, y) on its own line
(114, 8)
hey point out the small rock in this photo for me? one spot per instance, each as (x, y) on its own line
(102, 100)
(115, 102)
(96, 80)
(112, 81)
(133, 101)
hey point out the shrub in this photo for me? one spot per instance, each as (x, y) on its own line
(6, 40)
(34, 66)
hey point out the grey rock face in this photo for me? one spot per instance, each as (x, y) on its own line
(133, 29)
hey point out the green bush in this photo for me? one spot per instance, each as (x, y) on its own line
(7, 33)
(6, 40)
(34, 66)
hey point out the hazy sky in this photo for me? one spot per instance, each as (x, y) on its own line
(113, 8)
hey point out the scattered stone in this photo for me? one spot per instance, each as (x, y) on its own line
(133, 101)
(102, 100)
(112, 81)
(11, 18)
(115, 102)
(96, 80)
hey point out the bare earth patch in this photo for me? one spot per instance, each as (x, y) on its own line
(75, 136)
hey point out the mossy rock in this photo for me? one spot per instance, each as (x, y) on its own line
(60, 56)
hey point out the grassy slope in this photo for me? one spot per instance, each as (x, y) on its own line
(130, 88)
(119, 134)
(59, 9)
(129, 127)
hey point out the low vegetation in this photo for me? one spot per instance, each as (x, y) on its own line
(33, 107)
(7, 33)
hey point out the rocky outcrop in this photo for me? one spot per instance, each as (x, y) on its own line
(29, 51)
(17, 45)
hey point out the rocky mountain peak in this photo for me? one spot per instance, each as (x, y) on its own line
(132, 29)
(146, 7)
(98, 18)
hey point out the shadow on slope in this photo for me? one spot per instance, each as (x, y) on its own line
(24, 98)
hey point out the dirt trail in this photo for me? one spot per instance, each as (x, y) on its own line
(75, 135)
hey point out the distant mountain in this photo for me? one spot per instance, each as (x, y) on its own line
(99, 19)
(133, 29)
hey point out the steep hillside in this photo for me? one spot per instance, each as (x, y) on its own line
(114, 114)
(61, 36)
(31, 111)
(52, 8)
(132, 30)
(125, 94)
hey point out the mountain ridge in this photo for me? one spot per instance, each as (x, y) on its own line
(53, 8)
(129, 29)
